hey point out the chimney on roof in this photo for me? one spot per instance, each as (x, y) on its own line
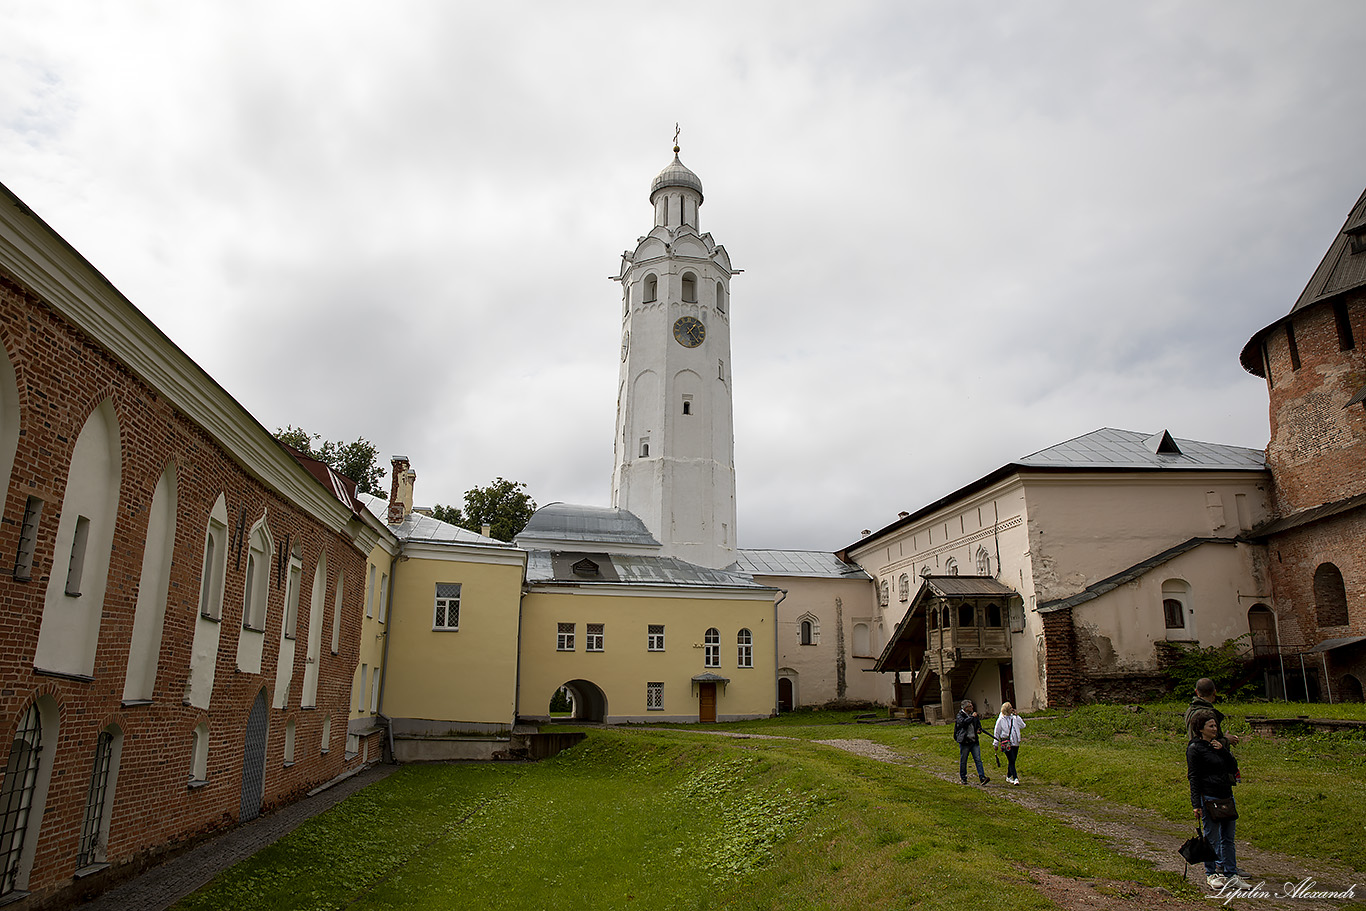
(401, 489)
(486, 530)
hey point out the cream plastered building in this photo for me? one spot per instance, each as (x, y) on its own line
(447, 639)
(1093, 553)
(830, 628)
(635, 635)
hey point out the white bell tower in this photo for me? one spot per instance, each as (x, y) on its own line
(675, 441)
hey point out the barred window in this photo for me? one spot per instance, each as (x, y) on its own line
(744, 642)
(594, 641)
(656, 637)
(712, 641)
(447, 606)
(654, 697)
(94, 828)
(16, 796)
(565, 639)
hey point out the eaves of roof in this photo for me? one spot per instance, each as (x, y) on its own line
(1340, 272)
(1305, 517)
(1104, 586)
(1000, 474)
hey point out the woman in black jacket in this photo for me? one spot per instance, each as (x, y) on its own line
(1212, 771)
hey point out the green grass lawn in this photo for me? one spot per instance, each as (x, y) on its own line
(1294, 796)
(674, 818)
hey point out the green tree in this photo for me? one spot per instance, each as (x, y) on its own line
(503, 505)
(357, 461)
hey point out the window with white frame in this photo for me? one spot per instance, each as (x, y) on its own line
(654, 697)
(593, 638)
(904, 587)
(712, 648)
(564, 638)
(744, 647)
(806, 633)
(370, 592)
(292, 589)
(1175, 600)
(374, 690)
(290, 729)
(358, 701)
(326, 746)
(447, 615)
(215, 567)
(383, 596)
(950, 567)
(882, 593)
(655, 640)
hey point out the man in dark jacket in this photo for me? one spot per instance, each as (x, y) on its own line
(1205, 697)
(967, 730)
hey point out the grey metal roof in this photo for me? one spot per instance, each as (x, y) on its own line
(591, 524)
(421, 529)
(1110, 583)
(967, 587)
(676, 175)
(797, 563)
(1327, 645)
(1111, 448)
(1341, 270)
(631, 569)
(1306, 516)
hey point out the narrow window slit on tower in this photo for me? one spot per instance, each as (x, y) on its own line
(1294, 349)
(76, 568)
(687, 404)
(28, 538)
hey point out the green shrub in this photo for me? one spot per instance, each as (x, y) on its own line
(1228, 665)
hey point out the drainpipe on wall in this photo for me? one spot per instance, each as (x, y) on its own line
(783, 591)
(387, 607)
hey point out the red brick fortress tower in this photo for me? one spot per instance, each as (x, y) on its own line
(1314, 362)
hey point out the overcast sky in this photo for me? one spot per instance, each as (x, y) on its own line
(968, 230)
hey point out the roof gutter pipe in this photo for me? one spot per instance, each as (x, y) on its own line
(783, 592)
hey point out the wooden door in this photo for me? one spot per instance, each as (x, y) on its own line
(784, 694)
(706, 703)
(1008, 683)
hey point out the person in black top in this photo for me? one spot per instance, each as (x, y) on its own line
(967, 730)
(1205, 696)
(1211, 771)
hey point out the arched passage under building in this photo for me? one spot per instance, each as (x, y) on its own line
(588, 700)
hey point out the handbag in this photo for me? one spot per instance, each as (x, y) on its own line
(1221, 808)
(1197, 850)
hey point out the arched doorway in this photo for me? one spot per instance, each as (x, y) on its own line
(787, 693)
(588, 700)
(254, 759)
(1261, 623)
(1351, 689)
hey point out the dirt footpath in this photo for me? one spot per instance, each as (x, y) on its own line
(1133, 832)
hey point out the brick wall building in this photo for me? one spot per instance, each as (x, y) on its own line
(180, 599)
(1315, 368)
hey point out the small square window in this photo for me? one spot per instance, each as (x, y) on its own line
(564, 641)
(1174, 613)
(595, 638)
(656, 637)
(447, 616)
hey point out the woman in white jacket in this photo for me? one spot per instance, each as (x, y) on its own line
(1007, 734)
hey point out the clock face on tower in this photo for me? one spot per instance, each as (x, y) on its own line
(689, 332)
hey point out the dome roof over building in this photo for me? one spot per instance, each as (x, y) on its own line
(676, 174)
(566, 522)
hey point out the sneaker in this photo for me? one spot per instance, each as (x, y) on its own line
(1215, 881)
(1015, 781)
(985, 779)
(962, 781)
(1236, 882)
